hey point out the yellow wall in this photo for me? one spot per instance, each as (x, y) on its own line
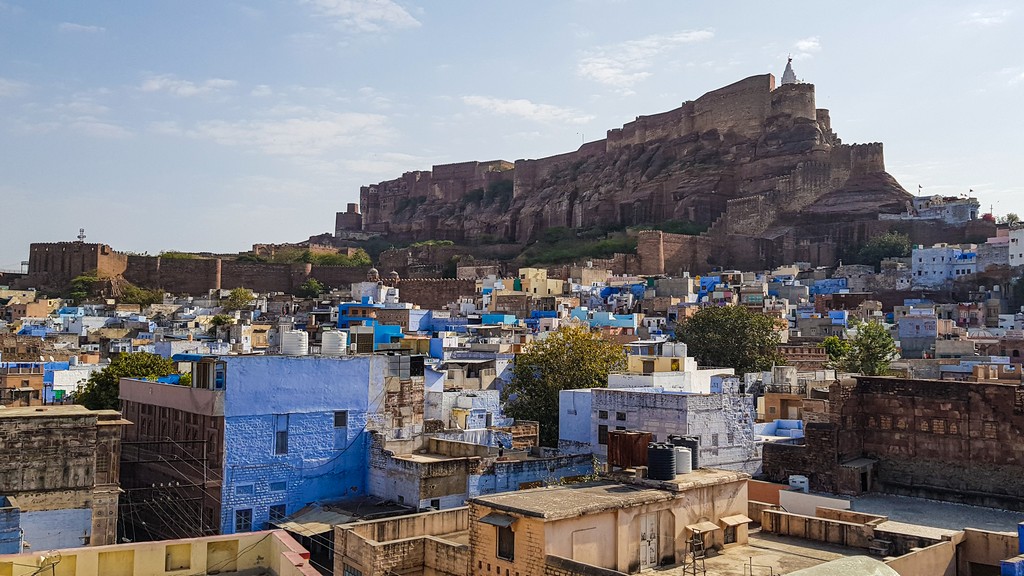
(273, 550)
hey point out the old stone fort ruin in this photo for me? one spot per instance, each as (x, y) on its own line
(756, 163)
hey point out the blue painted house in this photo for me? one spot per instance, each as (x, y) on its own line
(293, 430)
(295, 433)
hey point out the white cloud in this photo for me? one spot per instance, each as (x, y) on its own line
(384, 163)
(12, 87)
(988, 18)
(364, 15)
(184, 88)
(310, 135)
(806, 48)
(73, 27)
(623, 65)
(99, 129)
(261, 91)
(526, 109)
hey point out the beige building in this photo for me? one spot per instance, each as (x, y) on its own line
(271, 553)
(626, 527)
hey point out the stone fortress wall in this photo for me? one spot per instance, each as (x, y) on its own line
(742, 107)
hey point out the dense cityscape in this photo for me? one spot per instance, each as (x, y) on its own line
(719, 340)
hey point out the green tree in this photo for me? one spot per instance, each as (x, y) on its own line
(238, 298)
(102, 388)
(888, 245)
(82, 287)
(1011, 219)
(311, 288)
(732, 337)
(569, 358)
(837, 350)
(871, 350)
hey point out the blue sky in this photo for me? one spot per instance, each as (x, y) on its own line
(198, 125)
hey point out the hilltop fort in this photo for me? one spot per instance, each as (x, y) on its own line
(755, 164)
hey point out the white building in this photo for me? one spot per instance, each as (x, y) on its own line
(936, 265)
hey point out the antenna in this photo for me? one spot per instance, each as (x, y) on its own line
(81, 234)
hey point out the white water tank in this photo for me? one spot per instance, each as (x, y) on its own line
(799, 482)
(334, 343)
(684, 462)
(295, 343)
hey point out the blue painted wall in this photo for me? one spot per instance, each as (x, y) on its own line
(574, 415)
(54, 529)
(10, 528)
(323, 462)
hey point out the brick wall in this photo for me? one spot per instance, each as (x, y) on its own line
(434, 293)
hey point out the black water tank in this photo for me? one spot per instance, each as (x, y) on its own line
(661, 461)
(691, 442)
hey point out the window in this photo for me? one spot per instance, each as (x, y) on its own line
(350, 571)
(602, 434)
(244, 490)
(341, 419)
(278, 512)
(280, 433)
(506, 542)
(602, 414)
(278, 486)
(435, 503)
(243, 520)
(621, 416)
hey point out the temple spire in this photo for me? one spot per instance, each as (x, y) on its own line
(789, 77)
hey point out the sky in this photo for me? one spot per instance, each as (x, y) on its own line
(210, 126)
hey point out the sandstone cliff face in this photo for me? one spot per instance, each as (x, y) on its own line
(741, 160)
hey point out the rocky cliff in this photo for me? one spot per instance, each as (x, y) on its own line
(742, 160)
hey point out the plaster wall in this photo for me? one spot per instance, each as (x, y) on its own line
(322, 462)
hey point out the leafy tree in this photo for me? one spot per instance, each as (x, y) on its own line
(238, 298)
(132, 294)
(221, 320)
(888, 245)
(102, 388)
(82, 287)
(871, 350)
(837, 350)
(311, 288)
(1011, 218)
(731, 336)
(569, 358)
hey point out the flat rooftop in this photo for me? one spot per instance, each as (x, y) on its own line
(51, 411)
(782, 554)
(942, 515)
(578, 499)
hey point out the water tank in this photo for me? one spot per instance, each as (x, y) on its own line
(799, 482)
(684, 465)
(334, 343)
(661, 461)
(691, 442)
(295, 343)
